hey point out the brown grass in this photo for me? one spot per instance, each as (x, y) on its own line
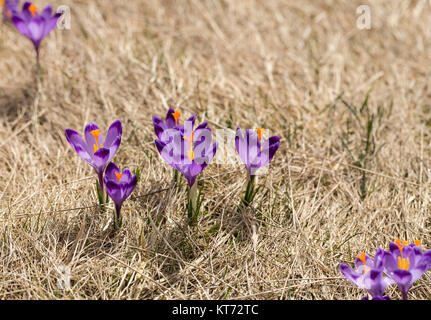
(282, 65)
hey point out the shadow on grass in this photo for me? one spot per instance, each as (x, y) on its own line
(17, 102)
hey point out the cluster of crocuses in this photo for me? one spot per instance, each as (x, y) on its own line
(29, 22)
(98, 152)
(189, 150)
(402, 265)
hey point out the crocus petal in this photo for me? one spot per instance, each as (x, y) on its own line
(111, 168)
(129, 187)
(100, 159)
(159, 126)
(114, 191)
(35, 29)
(78, 144)
(115, 130)
(403, 279)
(90, 139)
(349, 273)
(50, 24)
(170, 120)
(47, 12)
(374, 282)
(21, 26)
(389, 263)
(379, 258)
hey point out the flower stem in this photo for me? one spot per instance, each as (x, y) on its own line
(193, 195)
(117, 216)
(100, 175)
(405, 293)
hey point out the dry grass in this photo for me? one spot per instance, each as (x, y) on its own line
(277, 64)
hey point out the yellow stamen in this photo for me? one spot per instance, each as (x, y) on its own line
(96, 133)
(190, 152)
(401, 245)
(33, 9)
(418, 243)
(260, 132)
(403, 263)
(1, 3)
(362, 257)
(176, 115)
(119, 176)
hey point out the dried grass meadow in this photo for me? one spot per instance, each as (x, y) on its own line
(300, 68)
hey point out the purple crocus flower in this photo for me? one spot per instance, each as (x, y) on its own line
(254, 152)
(368, 274)
(33, 25)
(186, 150)
(119, 185)
(406, 263)
(95, 150)
(9, 7)
(170, 122)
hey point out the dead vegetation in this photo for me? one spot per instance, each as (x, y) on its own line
(299, 68)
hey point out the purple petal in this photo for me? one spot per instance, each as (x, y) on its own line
(78, 144)
(159, 126)
(114, 191)
(403, 279)
(47, 12)
(89, 138)
(115, 130)
(100, 159)
(349, 273)
(110, 172)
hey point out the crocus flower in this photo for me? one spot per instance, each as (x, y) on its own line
(368, 274)
(406, 263)
(118, 185)
(9, 7)
(33, 25)
(254, 152)
(170, 122)
(188, 151)
(96, 150)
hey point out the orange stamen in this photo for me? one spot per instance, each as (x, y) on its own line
(96, 133)
(362, 257)
(190, 152)
(418, 243)
(401, 245)
(33, 9)
(1, 3)
(260, 132)
(403, 263)
(119, 176)
(176, 115)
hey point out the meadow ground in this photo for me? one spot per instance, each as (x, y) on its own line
(346, 178)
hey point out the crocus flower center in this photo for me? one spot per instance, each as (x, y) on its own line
(190, 152)
(119, 176)
(96, 133)
(260, 132)
(403, 263)
(176, 115)
(401, 245)
(33, 10)
(363, 259)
